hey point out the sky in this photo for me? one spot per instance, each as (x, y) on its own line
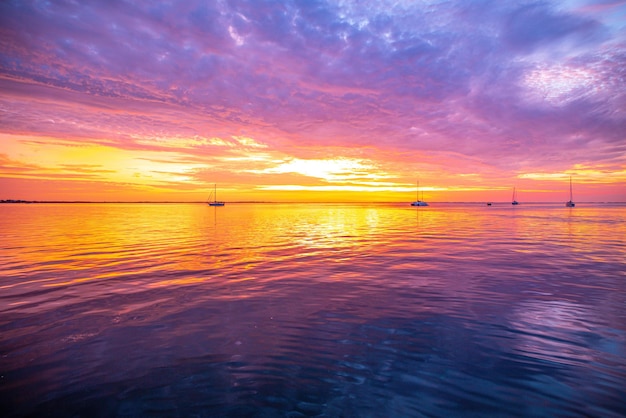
(307, 100)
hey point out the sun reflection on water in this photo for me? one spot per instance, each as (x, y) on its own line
(381, 298)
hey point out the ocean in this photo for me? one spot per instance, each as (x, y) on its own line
(312, 310)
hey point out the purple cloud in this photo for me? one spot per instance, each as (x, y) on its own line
(514, 84)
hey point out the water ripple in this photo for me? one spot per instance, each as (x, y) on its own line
(312, 310)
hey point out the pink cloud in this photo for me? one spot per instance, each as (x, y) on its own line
(457, 88)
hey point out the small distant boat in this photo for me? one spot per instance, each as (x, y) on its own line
(488, 203)
(571, 203)
(418, 202)
(214, 202)
(514, 202)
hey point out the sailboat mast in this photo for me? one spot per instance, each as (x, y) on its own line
(570, 189)
(215, 202)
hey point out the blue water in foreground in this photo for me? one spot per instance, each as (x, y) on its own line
(181, 310)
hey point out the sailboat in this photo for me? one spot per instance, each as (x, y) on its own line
(214, 202)
(418, 202)
(514, 202)
(571, 203)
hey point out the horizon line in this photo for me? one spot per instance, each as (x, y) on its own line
(16, 201)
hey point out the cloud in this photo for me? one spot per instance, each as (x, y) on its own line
(535, 25)
(510, 85)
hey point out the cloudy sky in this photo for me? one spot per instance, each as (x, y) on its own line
(309, 100)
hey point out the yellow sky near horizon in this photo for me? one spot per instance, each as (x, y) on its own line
(39, 168)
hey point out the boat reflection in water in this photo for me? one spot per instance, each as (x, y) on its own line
(312, 310)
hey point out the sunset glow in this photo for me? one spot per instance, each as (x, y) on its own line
(312, 101)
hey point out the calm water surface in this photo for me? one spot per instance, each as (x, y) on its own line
(124, 310)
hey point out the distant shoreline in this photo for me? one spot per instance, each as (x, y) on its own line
(20, 201)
